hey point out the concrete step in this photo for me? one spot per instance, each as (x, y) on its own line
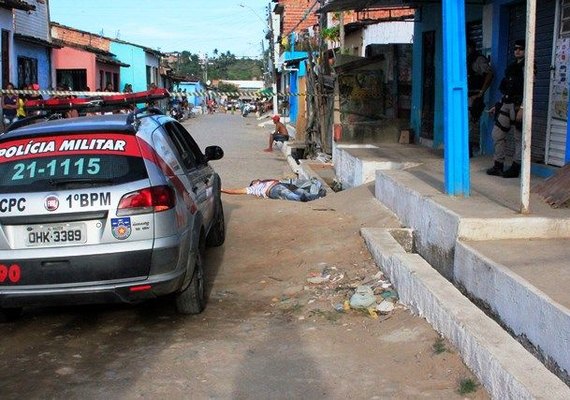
(445, 231)
(528, 289)
(502, 364)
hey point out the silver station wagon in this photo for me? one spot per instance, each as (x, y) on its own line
(109, 208)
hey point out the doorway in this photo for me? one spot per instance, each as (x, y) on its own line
(5, 57)
(428, 84)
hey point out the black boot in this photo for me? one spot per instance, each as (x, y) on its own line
(514, 171)
(497, 169)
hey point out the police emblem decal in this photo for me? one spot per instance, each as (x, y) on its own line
(121, 228)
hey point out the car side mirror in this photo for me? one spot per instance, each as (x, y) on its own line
(214, 153)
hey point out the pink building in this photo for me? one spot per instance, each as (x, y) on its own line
(84, 61)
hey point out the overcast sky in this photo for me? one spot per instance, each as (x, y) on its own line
(198, 26)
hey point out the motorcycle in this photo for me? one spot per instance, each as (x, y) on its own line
(176, 113)
(246, 109)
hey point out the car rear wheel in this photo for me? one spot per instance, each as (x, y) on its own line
(191, 300)
(217, 235)
(10, 314)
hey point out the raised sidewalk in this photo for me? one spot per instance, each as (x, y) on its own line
(516, 267)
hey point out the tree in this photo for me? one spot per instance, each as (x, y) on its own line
(221, 66)
(228, 87)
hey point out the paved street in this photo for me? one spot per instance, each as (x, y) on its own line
(266, 333)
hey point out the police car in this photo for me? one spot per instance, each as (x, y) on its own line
(106, 208)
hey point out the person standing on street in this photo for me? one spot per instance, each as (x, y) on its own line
(509, 112)
(479, 77)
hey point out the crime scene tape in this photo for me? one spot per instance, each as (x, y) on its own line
(201, 93)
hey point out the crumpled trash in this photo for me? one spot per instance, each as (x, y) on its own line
(363, 297)
(386, 307)
(316, 280)
(389, 294)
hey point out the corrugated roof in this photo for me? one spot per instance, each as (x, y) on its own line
(344, 5)
(35, 40)
(17, 4)
(110, 60)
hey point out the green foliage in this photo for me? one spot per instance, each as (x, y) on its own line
(228, 87)
(467, 385)
(332, 34)
(439, 346)
(220, 66)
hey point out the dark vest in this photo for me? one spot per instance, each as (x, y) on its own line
(512, 85)
(474, 80)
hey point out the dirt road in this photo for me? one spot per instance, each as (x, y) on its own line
(267, 331)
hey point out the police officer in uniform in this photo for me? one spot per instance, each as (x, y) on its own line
(479, 77)
(508, 112)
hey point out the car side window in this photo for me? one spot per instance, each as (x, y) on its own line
(191, 143)
(184, 150)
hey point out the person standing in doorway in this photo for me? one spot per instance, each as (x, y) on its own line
(479, 77)
(509, 112)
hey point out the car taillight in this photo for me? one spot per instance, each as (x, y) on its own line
(155, 198)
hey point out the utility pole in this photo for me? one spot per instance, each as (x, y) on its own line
(204, 62)
(272, 58)
(341, 31)
(266, 64)
(322, 100)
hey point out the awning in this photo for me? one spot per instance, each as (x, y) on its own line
(17, 4)
(110, 61)
(36, 41)
(358, 5)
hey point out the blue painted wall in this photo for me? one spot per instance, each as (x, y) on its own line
(191, 88)
(40, 53)
(431, 20)
(136, 58)
(294, 80)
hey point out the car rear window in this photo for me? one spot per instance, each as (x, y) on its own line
(60, 162)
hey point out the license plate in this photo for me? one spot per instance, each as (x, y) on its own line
(56, 234)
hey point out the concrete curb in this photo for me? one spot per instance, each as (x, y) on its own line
(306, 172)
(286, 150)
(544, 322)
(502, 364)
(303, 170)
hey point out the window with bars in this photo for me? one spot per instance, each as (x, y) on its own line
(27, 71)
(565, 18)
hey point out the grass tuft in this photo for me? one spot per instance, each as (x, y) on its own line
(467, 385)
(439, 346)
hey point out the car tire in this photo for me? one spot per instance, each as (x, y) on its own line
(10, 314)
(217, 235)
(191, 300)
